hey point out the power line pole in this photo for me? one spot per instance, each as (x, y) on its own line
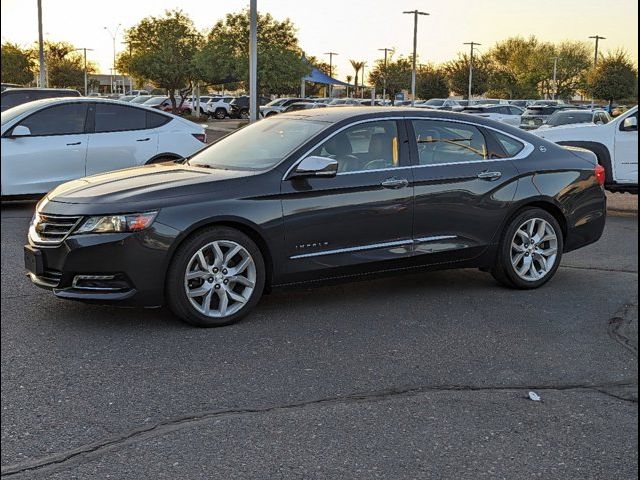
(595, 61)
(41, 46)
(253, 61)
(555, 76)
(384, 79)
(473, 44)
(415, 14)
(331, 54)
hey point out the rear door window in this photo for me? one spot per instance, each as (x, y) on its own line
(441, 142)
(117, 118)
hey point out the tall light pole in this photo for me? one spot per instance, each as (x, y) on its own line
(113, 37)
(86, 79)
(555, 76)
(415, 14)
(253, 61)
(384, 79)
(595, 61)
(331, 54)
(41, 47)
(473, 44)
(364, 64)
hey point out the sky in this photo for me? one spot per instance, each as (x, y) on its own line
(355, 29)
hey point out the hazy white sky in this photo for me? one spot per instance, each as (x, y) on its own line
(353, 28)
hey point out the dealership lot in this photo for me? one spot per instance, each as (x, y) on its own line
(393, 376)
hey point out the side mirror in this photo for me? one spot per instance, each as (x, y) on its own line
(630, 124)
(20, 131)
(315, 166)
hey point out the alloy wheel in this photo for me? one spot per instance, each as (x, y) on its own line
(534, 249)
(220, 278)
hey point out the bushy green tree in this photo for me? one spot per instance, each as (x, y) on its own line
(397, 72)
(17, 64)
(431, 82)
(225, 54)
(65, 65)
(457, 73)
(162, 51)
(614, 78)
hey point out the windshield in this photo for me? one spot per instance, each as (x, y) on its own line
(567, 118)
(259, 146)
(155, 101)
(435, 102)
(14, 112)
(476, 110)
(540, 111)
(141, 98)
(276, 102)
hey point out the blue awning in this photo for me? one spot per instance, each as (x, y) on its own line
(317, 76)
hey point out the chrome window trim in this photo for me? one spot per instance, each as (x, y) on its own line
(373, 246)
(524, 153)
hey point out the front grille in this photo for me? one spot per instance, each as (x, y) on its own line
(53, 229)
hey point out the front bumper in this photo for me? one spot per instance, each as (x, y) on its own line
(130, 268)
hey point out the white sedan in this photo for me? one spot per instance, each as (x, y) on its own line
(49, 142)
(508, 114)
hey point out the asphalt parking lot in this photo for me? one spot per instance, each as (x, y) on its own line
(418, 376)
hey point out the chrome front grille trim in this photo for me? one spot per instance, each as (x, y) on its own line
(52, 229)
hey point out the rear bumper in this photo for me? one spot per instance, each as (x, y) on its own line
(131, 267)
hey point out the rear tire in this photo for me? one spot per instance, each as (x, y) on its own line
(216, 277)
(220, 113)
(530, 250)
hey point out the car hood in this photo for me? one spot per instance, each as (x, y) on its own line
(558, 132)
(145, 184)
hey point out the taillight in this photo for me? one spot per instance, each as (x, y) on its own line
(200, 136)
(600, 174)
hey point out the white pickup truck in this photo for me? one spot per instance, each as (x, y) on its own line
(615, 144)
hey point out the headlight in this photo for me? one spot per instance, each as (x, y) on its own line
(132, 222)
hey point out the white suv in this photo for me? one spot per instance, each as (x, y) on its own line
(219, 107)
(614, 143)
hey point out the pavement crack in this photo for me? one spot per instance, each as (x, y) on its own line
(89, 450)
(600, 269)
(620, 322)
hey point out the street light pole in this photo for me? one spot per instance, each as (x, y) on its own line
(384, 79)
(113, 37)
(595, 61)
(253, 61)
(364, 64)
(331, 54)
(86, 80)
(555, 76)
(41, 47)
(415, 14)
(473, 44)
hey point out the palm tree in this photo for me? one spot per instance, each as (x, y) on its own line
(349, 78)
(356, 66)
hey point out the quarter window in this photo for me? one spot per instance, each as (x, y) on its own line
(67, 119)
(509, 144)
(366, 146)
(116, 118)
(441, 142)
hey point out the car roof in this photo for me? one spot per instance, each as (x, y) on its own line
(27, 89)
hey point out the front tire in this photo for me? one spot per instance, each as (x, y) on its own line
(530, 250)
(215, 278)
(220, 113)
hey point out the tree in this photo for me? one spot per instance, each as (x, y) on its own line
(457, 73)
(162, 51)
(65, 65)
(349, 78)
(357, 65)
(614, 78)
(225, 55)
(431, 82)
(398, 75)
(574, 59)
(17, 64)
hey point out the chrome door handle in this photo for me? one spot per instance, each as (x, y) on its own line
(395, 183)
(74, 143)
(489, 175)
(143, 139)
